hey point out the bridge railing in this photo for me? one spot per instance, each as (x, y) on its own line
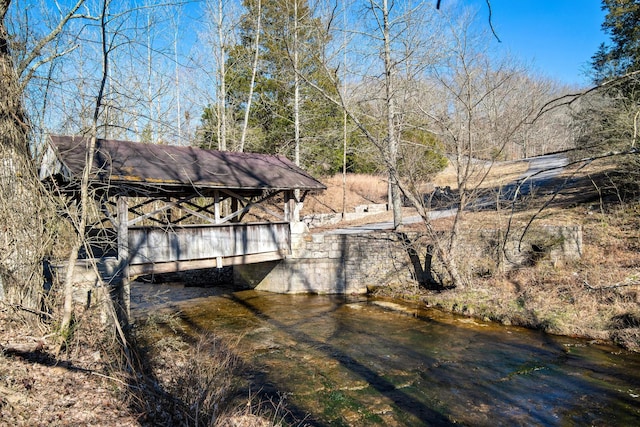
(198, 242)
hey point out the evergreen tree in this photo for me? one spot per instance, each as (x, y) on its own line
(207, 131)
(271, 120)
(622, 55)
(609, 117)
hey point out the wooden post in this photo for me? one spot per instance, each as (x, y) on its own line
(216, 206)
(289, 206)
(124, 292)
(234, 209)
(297, 205)
(216, 217)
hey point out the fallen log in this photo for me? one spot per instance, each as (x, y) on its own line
(21, 348)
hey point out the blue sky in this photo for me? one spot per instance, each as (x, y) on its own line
(555, 37)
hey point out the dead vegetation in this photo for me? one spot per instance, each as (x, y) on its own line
(180, 380)
(360, 190)
(80, 386)
(364, 189)
(196, 378)
(173, 380)
(497, 174)
(597, 297)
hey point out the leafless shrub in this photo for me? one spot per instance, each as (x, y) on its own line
(179, 381)
(207, 380)
(28, 229)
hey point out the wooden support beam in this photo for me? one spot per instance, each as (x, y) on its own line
(250, 204)
(124, 294)
(234, 208)
(216, 206)
(149, 215)
(174, 266)
(206, 209)
(291, 214)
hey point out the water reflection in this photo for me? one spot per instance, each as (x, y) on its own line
(353, 361)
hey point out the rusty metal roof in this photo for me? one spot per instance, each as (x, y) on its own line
(167, 167)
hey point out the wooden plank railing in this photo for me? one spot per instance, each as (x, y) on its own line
(189, 243)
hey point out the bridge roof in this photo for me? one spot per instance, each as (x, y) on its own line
(153, 168)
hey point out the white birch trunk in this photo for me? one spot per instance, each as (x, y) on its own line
(254, 70)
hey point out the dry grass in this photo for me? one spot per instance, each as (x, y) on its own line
(360, 190)
(191, 378)
(572, 298)
(80, 386)
(596, 297)
(173, 377)
(373, 189)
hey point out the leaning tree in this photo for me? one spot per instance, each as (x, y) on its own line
(24, 207)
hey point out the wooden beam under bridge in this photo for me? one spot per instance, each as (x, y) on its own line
(176, 266)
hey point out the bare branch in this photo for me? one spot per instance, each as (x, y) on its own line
(585, 162)
(490, 19)
(37, 49)
(569, 99)
(630, 281)
(33, 68)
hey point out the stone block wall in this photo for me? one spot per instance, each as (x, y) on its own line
(351, 263)
(343, 264)
(489, 251)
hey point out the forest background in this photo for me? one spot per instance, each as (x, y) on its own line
(187, 74)
(399, 89)
(396, 89)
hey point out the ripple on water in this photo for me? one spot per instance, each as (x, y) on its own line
(360, 363)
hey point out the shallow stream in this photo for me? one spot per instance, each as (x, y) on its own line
(358, 362)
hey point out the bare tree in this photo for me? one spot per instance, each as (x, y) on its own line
(83, 212)
(453, 92)
(393, 46)
(24, 223)
(222, 85)
(606, 125)
(213, 64)
(111, 38)
(468, 112)
(390, 103)
(254, 70)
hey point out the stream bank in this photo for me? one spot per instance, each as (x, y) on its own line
(352, 360)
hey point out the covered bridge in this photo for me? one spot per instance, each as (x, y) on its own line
(161, 208)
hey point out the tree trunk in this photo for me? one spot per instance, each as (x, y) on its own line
(21, 199)
(254, 70)
(81, 222)
(395, 200)
(222, 89)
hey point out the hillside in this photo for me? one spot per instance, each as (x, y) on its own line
(363, 189)
(597, 297)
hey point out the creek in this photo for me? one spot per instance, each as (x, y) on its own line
(357, 361)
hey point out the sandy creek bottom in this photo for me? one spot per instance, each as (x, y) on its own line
(357, 361)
